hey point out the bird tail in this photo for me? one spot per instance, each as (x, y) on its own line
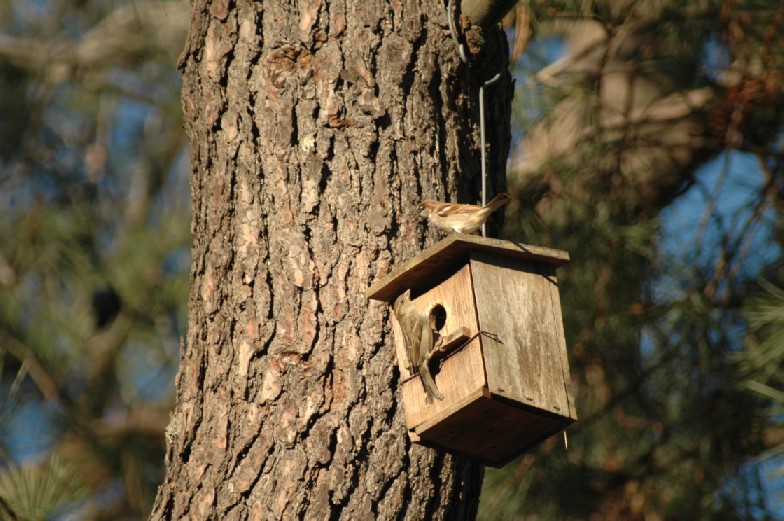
(429, 384)
(498, 201)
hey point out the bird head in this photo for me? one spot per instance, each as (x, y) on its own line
(401, 299)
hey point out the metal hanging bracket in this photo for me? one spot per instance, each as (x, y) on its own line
(452, 15)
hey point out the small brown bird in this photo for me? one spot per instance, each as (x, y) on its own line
(461, 218)
(418, 339)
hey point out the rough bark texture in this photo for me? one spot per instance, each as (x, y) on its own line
(316, 128)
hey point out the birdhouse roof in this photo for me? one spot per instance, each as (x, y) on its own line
(446, 256)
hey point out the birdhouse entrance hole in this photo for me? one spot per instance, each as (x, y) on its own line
(437, 318)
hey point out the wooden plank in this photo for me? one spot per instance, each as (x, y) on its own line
(556, 311)
(460, 376)
(441, 260)
(457, 298)
(463, 371)
(450, 342)
(514, 301)
(455, 413)
(490, 430)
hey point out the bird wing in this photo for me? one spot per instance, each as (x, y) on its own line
(425, 337)
(425, 347)
(454, 209)
(412, 334)
(418, 339)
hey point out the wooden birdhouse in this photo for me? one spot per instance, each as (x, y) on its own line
(500, 354)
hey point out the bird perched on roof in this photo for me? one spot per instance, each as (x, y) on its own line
(418, 340)
(461, 218)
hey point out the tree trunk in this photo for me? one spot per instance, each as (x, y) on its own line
(316, 128)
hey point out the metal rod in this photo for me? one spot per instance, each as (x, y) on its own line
(484, 151)
(489, 82)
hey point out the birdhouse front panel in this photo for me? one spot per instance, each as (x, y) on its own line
(461, 373)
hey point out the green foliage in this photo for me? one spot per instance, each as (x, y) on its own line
(764, 357)
(664, 358)
(94, 244)
(761, 363)
(37, 492)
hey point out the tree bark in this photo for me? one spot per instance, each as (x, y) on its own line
(316, 128)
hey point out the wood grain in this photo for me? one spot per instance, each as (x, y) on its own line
(462, 373)
(489, 430)
(515, 301)
(456, 296)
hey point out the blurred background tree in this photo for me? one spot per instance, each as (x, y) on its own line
(651, 149)
(94, 252)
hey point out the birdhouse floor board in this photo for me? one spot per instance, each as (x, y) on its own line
(489, 430)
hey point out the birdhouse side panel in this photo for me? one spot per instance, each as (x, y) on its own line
(556, 311)
(514, 300)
